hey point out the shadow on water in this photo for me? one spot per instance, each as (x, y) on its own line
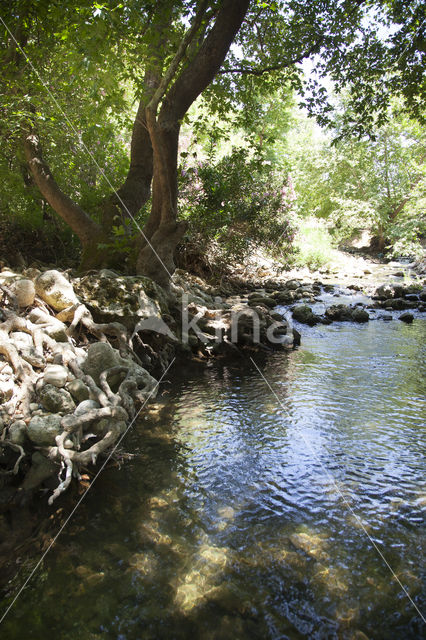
(238, 518)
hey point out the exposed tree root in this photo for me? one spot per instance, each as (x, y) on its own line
(29, 352)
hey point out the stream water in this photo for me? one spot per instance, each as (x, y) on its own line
(245, 514)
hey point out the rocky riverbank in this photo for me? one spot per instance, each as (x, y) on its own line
(79, 356)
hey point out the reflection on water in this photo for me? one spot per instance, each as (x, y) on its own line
(239, 518)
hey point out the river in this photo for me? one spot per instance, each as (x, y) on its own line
(278, 498)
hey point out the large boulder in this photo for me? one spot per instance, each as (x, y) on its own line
(100, 356)
(55, 289)
(124, 299)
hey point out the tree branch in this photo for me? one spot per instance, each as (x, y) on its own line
(199, 73)
(79, 221)
(278, 66)
(174, 65)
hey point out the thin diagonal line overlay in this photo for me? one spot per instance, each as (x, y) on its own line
(83, 496)
(331, 478)
(84, 146)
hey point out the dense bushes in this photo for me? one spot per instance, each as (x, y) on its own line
(238, 201)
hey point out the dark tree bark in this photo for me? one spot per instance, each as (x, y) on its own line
(162, 230)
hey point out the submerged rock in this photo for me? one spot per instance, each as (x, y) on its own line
(41, 469)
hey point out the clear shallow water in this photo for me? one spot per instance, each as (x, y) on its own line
(240, 517)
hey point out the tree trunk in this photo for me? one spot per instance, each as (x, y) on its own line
(88, 232)
(162, 232)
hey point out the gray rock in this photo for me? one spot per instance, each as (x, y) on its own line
(406, 317)
(293, 284)
(56, 400)
(85, 406)
(263, 300)
(285, 297)
(339, 312)
(360, 315)
(78, 390)
(55, 374)
(42, 430)
(100, 356)
(385, 291)
(41, 469)
(400, 303)
(124, 299)
(17, 432)
(24, 291)
(303, 313)
(55, 289)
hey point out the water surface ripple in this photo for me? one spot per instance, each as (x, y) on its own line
(240, 518)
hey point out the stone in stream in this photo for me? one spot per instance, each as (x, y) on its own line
(360, 315)
(385, 291)
(304, 314)
(263, 300)
(399, 304)
(406, 317)
(293, 284)
(339, 312)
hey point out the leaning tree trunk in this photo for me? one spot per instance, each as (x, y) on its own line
(90, 234)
